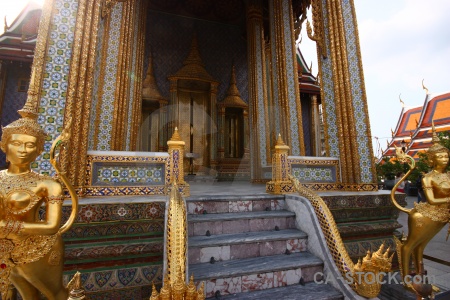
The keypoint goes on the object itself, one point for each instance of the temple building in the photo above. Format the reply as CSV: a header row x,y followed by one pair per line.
x,y
155,93
413,130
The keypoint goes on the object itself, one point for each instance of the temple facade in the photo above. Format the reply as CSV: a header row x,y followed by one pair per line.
x,y
228,76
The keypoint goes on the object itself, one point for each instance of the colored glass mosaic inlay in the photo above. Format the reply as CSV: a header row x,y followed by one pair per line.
x,y
314,174
117,174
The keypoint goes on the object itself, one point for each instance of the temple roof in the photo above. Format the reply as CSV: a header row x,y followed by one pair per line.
x,y
414,124
308,83
19,39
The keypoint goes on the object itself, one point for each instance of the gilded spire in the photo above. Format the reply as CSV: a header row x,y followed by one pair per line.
x,y
193,67
176,136
150,90
233,98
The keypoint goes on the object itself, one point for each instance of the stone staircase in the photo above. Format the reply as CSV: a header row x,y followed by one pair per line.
x,y
234,169
248,247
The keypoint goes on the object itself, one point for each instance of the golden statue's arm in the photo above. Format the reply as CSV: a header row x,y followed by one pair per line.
x,y
59,142
401,156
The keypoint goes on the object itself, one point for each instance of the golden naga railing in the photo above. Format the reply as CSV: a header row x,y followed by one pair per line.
x,y
366,272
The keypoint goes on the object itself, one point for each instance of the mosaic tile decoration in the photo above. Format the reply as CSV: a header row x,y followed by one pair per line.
x,y
133,75
54,86
109,80
328,91
314,174
314,170
359,105
291,72
13,100
126,173
134,174
95,87
262,142
119,278
274,74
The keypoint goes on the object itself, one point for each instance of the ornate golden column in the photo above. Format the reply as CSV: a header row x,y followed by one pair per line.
x,y
221,129
213,126
135,113
121,97
284,66
315,118
347,127
257,89
79,91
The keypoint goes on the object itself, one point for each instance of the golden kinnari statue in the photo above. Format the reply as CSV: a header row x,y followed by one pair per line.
x,y
426,219
31,248
174,285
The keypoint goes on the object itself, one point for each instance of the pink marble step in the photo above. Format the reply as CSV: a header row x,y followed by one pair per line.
x,y
252,274
245,245
233,204
240,222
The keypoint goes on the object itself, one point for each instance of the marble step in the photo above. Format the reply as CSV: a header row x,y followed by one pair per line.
x,y
309,291
240,222
234,203
258,273
245,245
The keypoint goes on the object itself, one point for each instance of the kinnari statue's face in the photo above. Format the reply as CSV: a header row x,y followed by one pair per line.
x,y
21,149
441,159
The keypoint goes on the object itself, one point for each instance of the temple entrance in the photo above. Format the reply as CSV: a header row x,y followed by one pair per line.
x,y
234,132
194,125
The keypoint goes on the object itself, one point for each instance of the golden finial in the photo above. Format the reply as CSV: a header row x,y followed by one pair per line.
x,y
76,292
201,291
310,68
424,87
191,291
176,136
280,141
435,139
401,101
6,25
154,295
165,293
392,132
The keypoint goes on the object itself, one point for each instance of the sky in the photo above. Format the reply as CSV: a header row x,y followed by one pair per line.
x,y
402,43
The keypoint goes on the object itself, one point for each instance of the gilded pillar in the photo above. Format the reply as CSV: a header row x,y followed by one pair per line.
x,y
257,89
284,68
213,125
80,86
347,127
315,118
136,77
221,129
175,166
122,84
246,134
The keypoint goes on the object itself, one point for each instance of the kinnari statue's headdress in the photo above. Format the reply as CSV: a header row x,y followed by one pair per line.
x,y
436,147
27,124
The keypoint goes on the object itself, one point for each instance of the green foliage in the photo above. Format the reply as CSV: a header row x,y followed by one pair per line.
x,y
387,169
